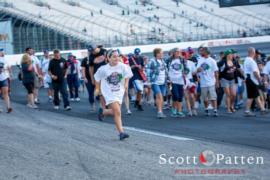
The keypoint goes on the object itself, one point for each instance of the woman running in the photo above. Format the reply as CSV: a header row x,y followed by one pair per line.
x,y
112,82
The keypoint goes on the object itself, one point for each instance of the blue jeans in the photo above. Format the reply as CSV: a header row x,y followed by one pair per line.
x,y
91,90
73,84
62,88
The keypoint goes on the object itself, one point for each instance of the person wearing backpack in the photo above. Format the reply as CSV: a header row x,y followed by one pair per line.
x,y
136,63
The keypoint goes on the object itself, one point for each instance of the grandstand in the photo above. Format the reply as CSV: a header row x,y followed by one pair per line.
x,y
73,24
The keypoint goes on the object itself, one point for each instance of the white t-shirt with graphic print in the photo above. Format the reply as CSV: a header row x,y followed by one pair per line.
x,y
207,76
162,73
112,80
3,69
176,72
191,69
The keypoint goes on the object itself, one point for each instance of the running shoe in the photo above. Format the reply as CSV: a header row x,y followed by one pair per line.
x,y
263,112
207,113
100,114
161,115
123,136
215,113
92,107
9,110
139,107
128,112
190,114
194,112
181,114
37,101
249,114
68,108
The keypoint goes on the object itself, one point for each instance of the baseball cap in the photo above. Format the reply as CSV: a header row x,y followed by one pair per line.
x,y
234,51
70,55
206,49
174,50
190,50
258,51
137,51
46,51
228,51
91,47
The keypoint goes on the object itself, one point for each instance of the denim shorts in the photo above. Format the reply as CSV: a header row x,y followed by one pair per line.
x,y
4,83
226,83
159,89
138,85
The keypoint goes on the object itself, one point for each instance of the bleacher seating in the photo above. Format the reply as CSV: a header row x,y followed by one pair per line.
x,y
128,22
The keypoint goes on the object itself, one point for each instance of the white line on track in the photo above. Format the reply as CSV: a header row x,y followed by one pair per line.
x,y
158,134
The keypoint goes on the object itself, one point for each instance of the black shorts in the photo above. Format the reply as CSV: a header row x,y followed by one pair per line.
x,y
252,89
29,87
177,92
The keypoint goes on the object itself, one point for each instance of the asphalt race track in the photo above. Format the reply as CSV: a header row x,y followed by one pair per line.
x,y
56,144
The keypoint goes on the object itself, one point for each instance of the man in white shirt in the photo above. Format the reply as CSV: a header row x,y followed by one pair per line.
x,y
208,72
47,80
36,65
253,80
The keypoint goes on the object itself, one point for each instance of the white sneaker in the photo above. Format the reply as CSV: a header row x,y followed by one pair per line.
x,y
77,99
210,107
56,107
32,106
68,108
72,99
29,105
129,112
194,112
197,104
92,107
37,101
